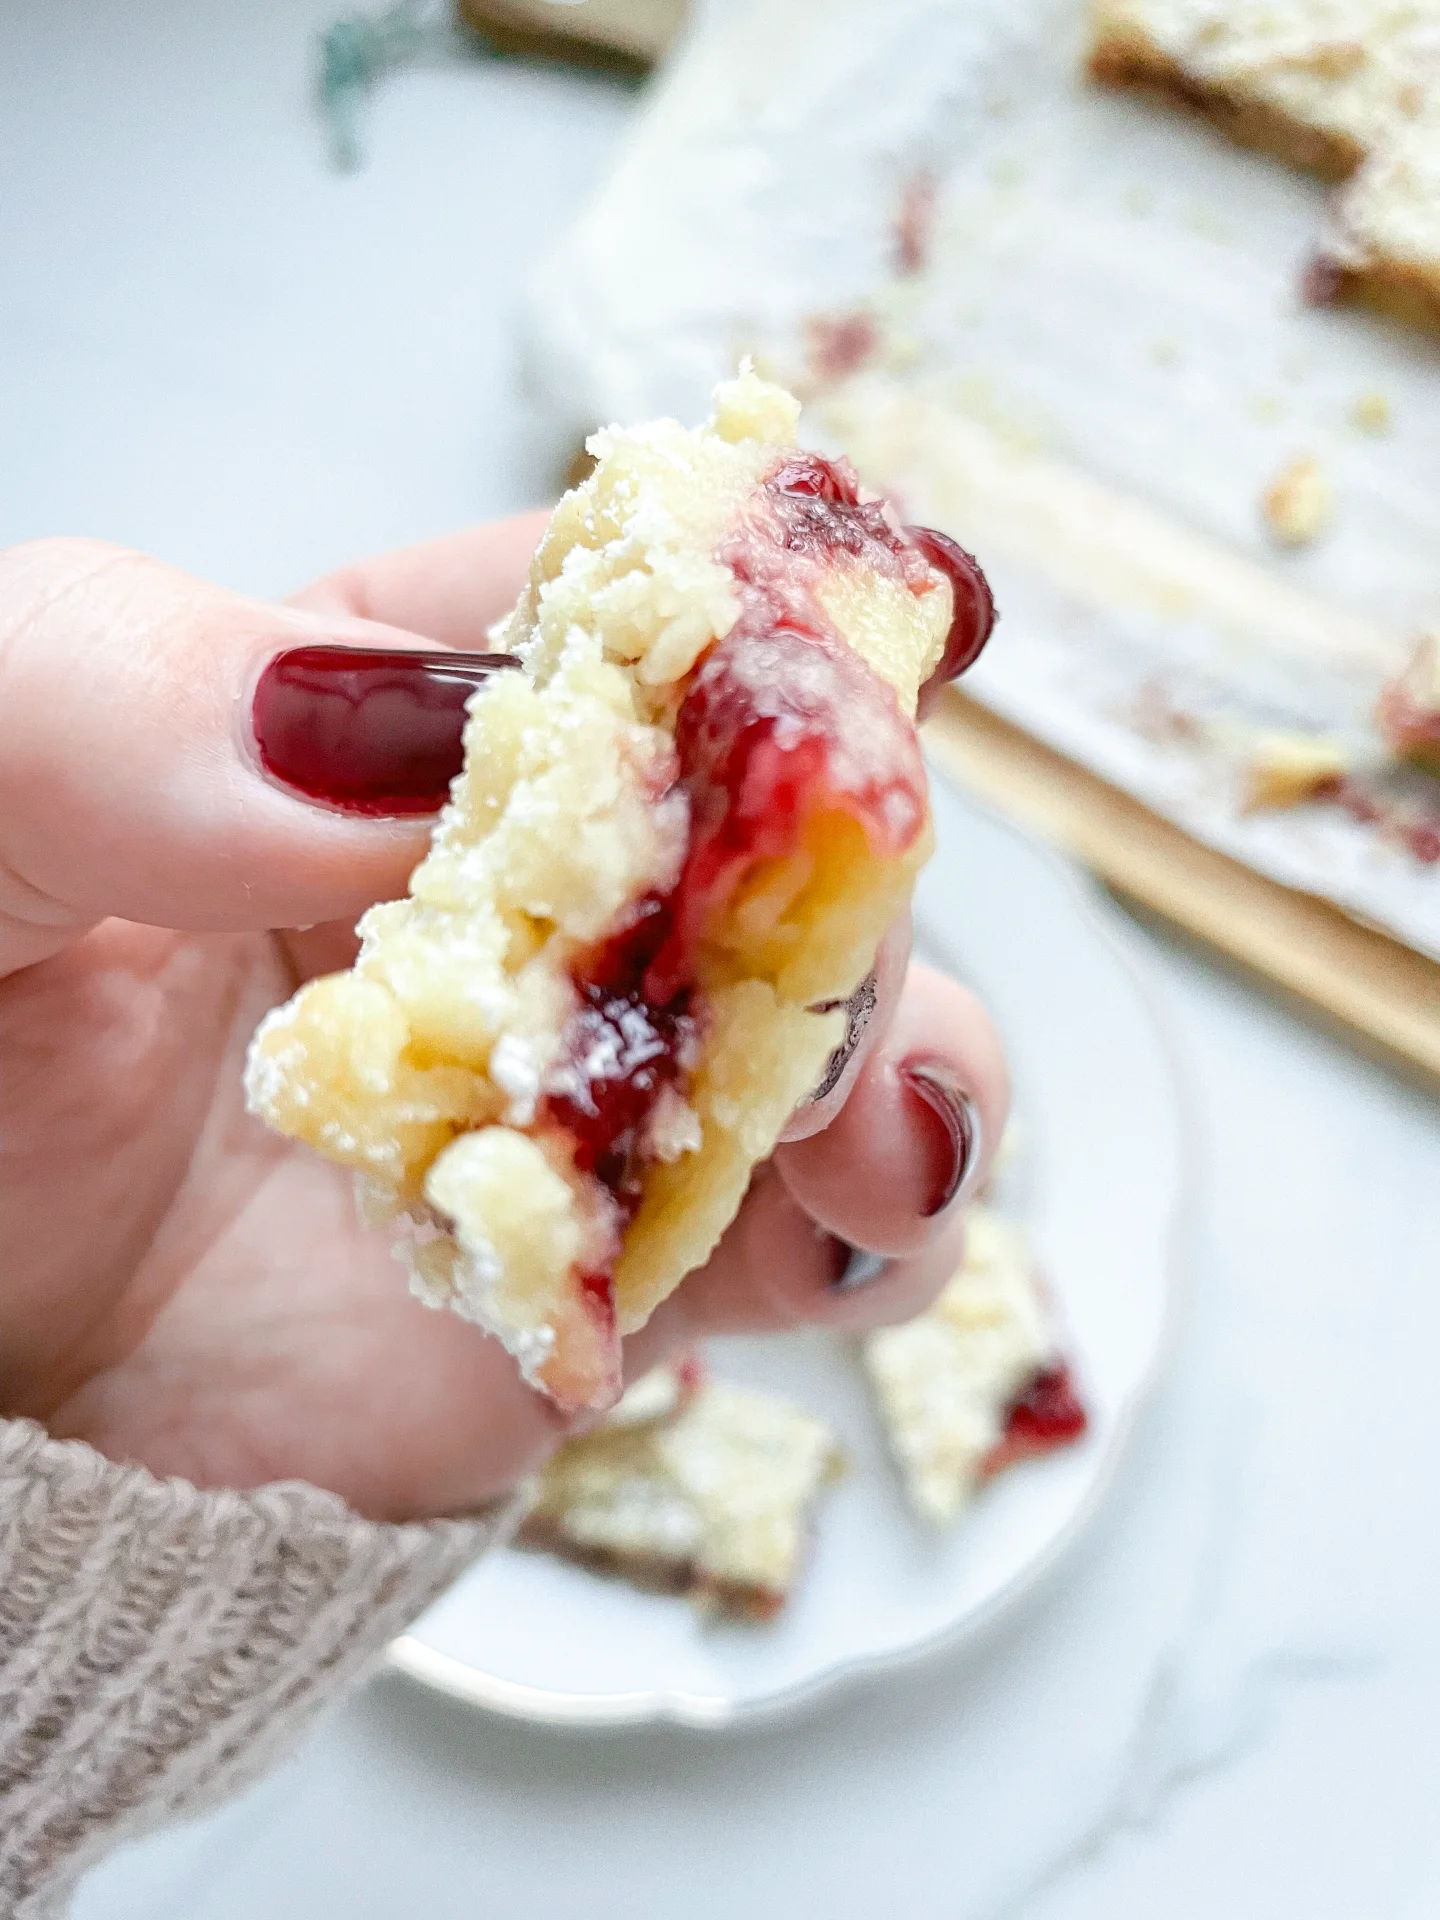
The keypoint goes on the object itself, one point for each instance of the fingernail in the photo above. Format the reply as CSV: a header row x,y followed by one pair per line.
x,y
858,1009
955,1130
973,619
858,1269
372,730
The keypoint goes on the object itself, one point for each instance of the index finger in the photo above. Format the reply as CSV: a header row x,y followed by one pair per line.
x,y
451,590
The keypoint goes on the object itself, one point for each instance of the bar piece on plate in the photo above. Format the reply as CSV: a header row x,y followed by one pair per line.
x,y
690,1486
976,1382
684,824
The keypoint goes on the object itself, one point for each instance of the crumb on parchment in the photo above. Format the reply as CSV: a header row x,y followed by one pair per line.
x,y
1286,769
1299,503
1372,412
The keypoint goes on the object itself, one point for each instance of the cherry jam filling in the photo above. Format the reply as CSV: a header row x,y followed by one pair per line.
x,y
1048,1413
619,1052
817,506
780,723
840,343
760,743
780,720
1370,806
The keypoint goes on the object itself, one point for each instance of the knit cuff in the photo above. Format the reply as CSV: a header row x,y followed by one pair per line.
x,y
160,1646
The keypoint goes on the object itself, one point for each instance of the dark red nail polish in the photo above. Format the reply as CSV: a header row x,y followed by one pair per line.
x,y
373,730
953,1133
973,620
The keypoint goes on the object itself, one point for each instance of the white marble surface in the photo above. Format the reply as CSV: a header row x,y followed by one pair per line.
x,y
1228,1699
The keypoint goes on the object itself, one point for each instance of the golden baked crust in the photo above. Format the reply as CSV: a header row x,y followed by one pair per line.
x,y
1321,83
1383,246
1287,769
1123,54
688,820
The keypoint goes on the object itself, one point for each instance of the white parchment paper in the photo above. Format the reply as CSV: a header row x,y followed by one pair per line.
x,y
1099,367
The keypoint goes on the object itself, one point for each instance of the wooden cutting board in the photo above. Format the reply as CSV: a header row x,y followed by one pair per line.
x,y
1383,995
636,32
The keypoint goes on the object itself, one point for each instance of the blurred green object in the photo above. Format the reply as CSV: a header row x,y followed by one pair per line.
x,y
360,49
623,37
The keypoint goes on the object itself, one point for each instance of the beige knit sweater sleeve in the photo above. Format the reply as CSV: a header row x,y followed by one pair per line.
x,y
159,1646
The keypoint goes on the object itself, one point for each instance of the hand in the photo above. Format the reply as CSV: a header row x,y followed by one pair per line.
x,y
182,1288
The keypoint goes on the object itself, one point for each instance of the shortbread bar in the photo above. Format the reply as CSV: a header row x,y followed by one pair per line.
x,y
1349,89
978,1381
682,826
691,1487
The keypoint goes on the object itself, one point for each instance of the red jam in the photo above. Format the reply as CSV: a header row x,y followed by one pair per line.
x,y
689,1374
781,722
779,725
1422,837
818,510
618,1053
598,1292
914,223
840,343
1417,832
1047,1414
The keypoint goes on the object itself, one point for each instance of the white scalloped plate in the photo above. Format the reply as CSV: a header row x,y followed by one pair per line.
x,y
1102,1180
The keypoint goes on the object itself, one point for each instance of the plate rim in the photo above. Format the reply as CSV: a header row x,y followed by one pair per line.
x,y
549,1707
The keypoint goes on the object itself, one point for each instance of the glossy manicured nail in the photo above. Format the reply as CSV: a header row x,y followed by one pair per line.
x,y
373,730
858,1270
955,1124
858,1011
973,619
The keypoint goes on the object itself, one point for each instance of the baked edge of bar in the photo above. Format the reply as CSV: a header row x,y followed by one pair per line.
x,y
1122,56
1401,290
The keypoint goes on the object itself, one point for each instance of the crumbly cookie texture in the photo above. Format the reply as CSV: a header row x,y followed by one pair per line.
x,y
1286,769
693,1487
977,1381
1299,503
1409,712
682,825
1349,89
1383,244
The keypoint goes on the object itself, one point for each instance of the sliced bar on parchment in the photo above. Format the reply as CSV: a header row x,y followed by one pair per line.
x,y
1348,89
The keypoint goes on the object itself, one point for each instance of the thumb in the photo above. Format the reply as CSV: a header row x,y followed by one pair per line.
x,y
175,754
